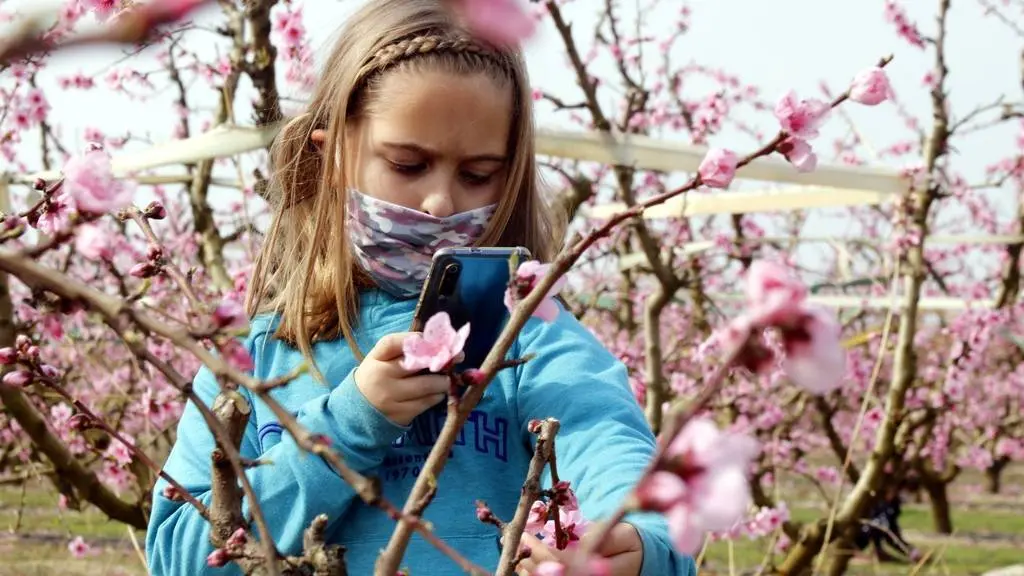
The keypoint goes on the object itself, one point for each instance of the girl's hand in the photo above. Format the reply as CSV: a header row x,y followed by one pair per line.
x,y
623,549
399,394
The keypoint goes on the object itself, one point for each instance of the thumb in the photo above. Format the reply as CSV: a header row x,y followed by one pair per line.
x,y
389,347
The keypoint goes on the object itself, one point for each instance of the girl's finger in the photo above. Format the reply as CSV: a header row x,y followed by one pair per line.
x,y
539,553
419,388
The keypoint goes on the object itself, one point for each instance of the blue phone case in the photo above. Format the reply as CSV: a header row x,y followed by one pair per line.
x,y
476,295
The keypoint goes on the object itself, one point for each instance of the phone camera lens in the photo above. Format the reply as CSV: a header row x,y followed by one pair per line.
x,y
450,279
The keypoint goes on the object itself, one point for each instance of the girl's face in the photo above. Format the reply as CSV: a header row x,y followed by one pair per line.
x,y
435,142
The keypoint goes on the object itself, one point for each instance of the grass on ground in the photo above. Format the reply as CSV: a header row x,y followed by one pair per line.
x,y
37,543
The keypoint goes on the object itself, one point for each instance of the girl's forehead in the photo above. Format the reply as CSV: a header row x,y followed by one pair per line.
x,y
443,112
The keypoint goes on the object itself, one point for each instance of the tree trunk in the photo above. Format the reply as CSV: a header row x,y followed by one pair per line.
x,y
994,476
842,553
939,497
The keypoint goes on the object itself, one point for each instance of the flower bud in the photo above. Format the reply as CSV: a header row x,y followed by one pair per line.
x,y
172,494
144,270
155,211
473,377
17,378
483,513
217,558
237,539
49,372
8,355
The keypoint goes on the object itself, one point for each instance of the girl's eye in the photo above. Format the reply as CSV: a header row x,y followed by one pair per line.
x,y
474,179
408,169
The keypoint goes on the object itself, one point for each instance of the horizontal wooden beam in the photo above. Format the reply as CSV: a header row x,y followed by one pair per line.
x,y
667,156
624,149
937,303
639,258
701,203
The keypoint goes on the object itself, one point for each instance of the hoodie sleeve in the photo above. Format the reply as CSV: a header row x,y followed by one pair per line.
x,y
292,489
604,442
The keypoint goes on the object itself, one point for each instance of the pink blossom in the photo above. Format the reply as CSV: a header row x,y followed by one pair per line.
x,y
103,9
156,13
117,477
827,474
538,517
549,568
774,295
528,275
237,356
802,118
436,347
815,359
904,27
800,154
870,87
718,168
661,491
703,486
78,547
596,566
56,214
573,526
229,314
496,21
289,26
119,453
88,179
93,242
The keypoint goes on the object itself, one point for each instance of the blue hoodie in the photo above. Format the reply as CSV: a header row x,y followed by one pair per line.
x,y
602,448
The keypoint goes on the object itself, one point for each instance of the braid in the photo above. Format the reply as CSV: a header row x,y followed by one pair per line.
x,y
429,44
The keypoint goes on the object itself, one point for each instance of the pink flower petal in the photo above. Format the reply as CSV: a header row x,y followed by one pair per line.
x,y
547,311
816,360
685,535
499,22
725,498
661,491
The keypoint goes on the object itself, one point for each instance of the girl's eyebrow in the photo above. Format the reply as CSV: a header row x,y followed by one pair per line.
x,y
417,149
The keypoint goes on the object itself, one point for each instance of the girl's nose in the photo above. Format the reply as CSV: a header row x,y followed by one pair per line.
x,y
439,202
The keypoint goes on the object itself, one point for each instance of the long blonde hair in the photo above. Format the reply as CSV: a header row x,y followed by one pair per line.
x,y
305,271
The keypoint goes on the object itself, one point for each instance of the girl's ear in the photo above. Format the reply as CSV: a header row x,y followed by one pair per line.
x,y
318,137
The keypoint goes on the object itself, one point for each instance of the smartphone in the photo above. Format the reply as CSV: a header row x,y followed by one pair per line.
x,y
469,284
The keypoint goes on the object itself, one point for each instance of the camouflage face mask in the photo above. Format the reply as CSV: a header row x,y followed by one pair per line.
x,y
395,244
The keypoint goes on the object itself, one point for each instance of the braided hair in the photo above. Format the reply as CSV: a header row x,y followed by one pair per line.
x,y
430,44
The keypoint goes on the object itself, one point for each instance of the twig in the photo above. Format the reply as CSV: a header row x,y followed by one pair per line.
x,y
132,26
96,421
543,453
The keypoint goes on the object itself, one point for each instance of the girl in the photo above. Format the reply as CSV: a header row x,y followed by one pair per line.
x,y
417,138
